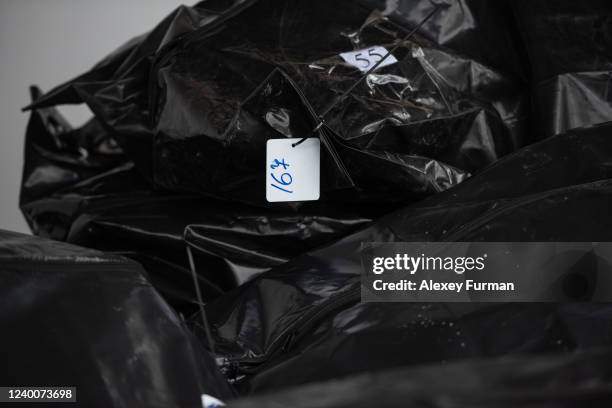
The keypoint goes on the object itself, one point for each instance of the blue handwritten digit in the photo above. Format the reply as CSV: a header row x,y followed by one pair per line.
x,y
277,163
282,189
283,181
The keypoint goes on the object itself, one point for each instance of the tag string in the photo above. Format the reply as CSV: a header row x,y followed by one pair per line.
x,y
211,342
350,89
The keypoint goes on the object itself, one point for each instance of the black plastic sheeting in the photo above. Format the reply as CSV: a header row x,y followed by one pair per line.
x,y
78,317
79,186
303,321
583,379
569,45
173,112
209,99
436,147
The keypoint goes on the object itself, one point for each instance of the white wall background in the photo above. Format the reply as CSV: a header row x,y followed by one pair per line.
x,y
46,42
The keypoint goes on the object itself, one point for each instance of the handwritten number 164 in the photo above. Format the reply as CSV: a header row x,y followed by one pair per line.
x,y
285,178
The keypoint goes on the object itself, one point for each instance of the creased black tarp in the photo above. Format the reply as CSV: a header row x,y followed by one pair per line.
x,y
79,186
78,317
210,98
569,44
488,57
302,321
394,137
181,119
583,379
190,105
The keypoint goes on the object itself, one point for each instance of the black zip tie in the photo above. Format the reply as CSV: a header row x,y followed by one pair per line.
x,y
211,342
368,72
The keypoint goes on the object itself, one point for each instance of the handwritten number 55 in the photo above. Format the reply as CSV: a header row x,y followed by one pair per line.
x,y
368,61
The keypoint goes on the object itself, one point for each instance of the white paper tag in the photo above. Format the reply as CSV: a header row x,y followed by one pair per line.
x,y
292,173
366,58
208,401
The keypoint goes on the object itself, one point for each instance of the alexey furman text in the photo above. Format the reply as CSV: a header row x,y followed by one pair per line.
x,y
430,285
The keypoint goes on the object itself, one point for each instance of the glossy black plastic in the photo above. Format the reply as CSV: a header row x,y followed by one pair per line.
x,y
569,45
582,379
302,321
436,147
196,113
78,317
79,186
